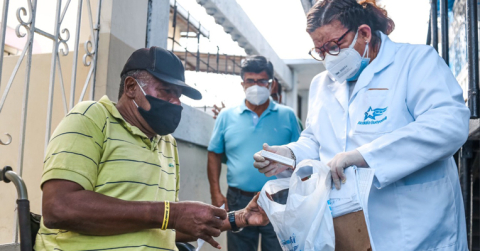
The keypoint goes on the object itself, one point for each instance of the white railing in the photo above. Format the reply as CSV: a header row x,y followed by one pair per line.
x,y
26,17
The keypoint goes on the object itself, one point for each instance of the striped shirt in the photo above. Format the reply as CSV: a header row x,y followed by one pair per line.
x,y
96,148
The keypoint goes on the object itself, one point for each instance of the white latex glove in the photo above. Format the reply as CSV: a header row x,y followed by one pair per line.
x,y
342,161
271,168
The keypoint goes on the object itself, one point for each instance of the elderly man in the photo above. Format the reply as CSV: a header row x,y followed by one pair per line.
x,y
240,132
111,173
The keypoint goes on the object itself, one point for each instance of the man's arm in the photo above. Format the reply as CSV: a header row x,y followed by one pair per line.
x,y
239,220
66,205
214,168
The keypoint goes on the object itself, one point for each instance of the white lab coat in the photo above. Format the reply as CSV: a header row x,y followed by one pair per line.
x,y
407,117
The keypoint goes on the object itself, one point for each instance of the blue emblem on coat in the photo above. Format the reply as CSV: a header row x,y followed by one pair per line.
x,y
373,114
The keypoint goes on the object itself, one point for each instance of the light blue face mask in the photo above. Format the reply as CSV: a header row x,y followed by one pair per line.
x,y
363,65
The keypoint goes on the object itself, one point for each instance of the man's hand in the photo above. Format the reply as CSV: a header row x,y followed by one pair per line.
x,y
342,161
253,214
271,168
197,219
218,200
216,110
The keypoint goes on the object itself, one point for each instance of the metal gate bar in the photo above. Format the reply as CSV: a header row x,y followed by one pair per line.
x,y
444,24
26,17
434,24
3,33
473,77
472,57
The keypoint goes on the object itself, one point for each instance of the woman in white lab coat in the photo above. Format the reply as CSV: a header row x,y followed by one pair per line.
x,y
395,108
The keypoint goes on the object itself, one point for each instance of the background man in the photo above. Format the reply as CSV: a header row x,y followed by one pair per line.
x,y
111,173
276,94
276,91
239,132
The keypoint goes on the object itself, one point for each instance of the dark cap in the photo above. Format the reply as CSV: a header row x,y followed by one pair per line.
x,y
163,65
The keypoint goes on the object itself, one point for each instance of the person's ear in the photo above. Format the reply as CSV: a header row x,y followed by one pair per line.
x,y
364,33
130,87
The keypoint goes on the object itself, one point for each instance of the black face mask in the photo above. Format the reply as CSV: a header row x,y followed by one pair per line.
x,y
163,117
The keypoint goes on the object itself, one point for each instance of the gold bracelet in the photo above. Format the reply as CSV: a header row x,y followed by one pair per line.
x,y
166,215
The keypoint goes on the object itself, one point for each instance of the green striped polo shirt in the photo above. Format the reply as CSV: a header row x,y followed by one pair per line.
x,y
96,148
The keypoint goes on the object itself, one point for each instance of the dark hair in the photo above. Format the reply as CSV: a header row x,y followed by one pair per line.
x,y
351,14
134,74
256,64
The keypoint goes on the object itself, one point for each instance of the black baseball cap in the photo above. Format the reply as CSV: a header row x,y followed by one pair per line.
x,y
163,65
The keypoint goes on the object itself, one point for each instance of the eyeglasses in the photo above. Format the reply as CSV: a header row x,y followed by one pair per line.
x,y
331,47
261,82
168,92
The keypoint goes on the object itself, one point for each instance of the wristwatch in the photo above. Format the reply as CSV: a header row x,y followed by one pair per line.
x,y
231,219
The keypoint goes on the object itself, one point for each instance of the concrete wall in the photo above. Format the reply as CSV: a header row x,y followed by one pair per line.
x,y
291,95
10,247
304,109
193,135
122,32
158,27
194,182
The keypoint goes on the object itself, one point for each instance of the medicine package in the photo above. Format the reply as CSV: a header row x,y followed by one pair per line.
x,y
278,158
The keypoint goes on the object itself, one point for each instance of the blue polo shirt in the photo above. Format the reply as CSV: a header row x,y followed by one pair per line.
x,y
240,133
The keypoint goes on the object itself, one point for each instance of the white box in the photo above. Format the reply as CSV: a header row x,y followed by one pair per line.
x,y
278,158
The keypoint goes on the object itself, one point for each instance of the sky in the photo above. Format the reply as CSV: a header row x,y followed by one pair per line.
x,y
282,23
45,20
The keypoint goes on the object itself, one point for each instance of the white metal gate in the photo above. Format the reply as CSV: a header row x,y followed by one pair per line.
x,y
26,27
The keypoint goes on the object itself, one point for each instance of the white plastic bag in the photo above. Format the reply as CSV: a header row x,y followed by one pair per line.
x,y
304,222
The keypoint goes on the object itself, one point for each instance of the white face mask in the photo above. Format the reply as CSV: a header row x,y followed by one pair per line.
x,y
347,64
257,95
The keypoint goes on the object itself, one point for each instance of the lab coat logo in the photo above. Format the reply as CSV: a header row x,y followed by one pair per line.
x,y
170,165
371,116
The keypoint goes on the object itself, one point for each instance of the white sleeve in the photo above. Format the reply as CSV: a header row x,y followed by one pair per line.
x,y
440,126
307,147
